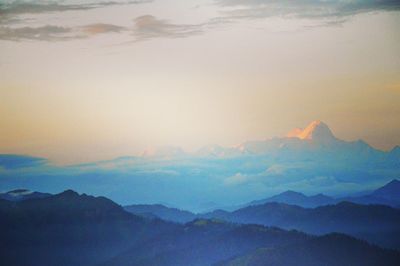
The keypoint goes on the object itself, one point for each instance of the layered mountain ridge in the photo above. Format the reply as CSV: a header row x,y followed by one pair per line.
x,y
77,229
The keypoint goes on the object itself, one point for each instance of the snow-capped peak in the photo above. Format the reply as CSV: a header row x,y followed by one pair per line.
x,y
316,130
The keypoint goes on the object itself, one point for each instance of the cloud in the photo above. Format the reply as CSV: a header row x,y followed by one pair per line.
x,y
47,33
10,11
160,172
56,33
12,161
327,184
148,27
100,28
237,179
18,7
27,7
312,9
274,176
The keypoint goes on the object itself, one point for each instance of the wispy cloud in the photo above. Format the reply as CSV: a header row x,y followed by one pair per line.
x,y
18,7
237,179
311,9
46,33
12,161
56,33
324,12
148,26
100,28
144,28
13,11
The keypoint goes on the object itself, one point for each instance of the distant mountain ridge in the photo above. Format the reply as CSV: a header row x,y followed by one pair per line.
x,y
315,135
288,197
162,212
388,194
390,191
296,198
316,214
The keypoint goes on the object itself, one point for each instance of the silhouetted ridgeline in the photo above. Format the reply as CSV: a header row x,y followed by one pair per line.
x,y
376,223
161,211
328,250
67,229
389,194
22,194
72,229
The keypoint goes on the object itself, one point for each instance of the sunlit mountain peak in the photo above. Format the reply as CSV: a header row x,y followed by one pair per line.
x,y
316,130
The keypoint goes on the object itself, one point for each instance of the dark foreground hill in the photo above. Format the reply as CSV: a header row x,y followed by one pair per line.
x,y
67,229
72,229
205,242
328,250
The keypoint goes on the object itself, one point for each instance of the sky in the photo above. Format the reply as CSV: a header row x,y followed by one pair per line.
x,y
91,80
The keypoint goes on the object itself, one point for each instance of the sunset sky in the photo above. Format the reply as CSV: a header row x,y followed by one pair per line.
x,y
93,80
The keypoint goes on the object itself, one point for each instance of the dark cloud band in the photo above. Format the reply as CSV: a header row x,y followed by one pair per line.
x,y
320,9
56,33
26,7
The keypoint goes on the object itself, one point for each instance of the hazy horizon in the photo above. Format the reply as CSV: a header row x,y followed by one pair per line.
x,y
150,150
84,81
310,160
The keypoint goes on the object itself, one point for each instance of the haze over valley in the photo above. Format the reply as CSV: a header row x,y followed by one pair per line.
x,y
311,161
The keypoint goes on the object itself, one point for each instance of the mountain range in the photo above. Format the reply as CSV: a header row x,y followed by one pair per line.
x,y
297,198
316,136
376,223
77,229
389,194
310,160
386,195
